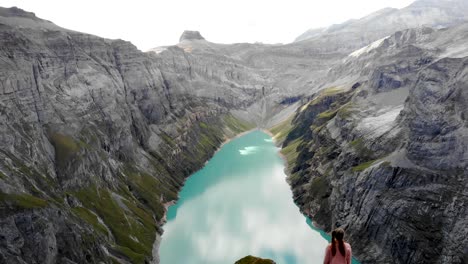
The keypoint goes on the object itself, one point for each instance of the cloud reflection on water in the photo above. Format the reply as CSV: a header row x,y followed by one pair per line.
x,y
248,150
250,212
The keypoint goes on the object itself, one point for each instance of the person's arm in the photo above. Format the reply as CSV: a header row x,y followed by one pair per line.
x,y
327,256
349,255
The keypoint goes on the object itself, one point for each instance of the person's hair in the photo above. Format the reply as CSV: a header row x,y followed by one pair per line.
x,y
337,238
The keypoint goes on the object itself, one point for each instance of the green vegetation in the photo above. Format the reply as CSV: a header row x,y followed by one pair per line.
x,y
331,91
114,260
149,190
316,129
281,130
254,260
206,142
324,93
363,166
142,214
23,200
346,111
236,125
203,125
386,164
90,218
167,139
327,115
356,143
65,148
318,187
130,254
88,134
361,148
132,229
364,153
290,152
2,175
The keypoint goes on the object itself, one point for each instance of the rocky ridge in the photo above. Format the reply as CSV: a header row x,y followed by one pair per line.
x,y
191,35
382,152
95,131
382,23
97,137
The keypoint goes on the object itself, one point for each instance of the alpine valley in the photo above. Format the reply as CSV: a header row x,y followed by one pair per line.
x,y
98,137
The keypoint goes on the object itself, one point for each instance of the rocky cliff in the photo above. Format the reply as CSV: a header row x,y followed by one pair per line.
x,y
384,22
97,137
384,154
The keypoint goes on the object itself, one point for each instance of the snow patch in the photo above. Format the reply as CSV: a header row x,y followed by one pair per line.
x,y
367,48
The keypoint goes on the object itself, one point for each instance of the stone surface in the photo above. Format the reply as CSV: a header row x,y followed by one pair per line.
x,y
94,131
384,22
190,35
385,156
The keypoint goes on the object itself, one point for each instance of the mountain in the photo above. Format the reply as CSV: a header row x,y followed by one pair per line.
x,y
431,13
95,131
382,151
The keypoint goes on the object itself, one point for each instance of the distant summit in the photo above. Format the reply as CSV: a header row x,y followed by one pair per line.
x,y
191,35
430,13
18,18
16,12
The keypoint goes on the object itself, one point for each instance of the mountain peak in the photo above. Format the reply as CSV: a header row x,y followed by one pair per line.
x,y
19,18
191,35
16,12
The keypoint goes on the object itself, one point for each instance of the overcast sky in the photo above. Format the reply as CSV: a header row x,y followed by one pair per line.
x,y
148,24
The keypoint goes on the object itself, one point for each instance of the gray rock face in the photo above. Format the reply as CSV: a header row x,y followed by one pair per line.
x,y
47,236
191,35
386,157
94,131
386,21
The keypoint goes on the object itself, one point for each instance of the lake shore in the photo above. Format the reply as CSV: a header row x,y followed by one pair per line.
x,y
173,202
254,189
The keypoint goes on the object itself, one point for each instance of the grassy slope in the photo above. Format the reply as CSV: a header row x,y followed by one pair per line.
x,y
254,260
127,213
133,220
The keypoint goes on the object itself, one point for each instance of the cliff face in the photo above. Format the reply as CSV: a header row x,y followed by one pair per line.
x,y
96,137
384,22
384,156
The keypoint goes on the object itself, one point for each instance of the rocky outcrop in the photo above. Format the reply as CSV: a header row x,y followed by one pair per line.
x,y
382,23
254,260
97,137
385,157
191,35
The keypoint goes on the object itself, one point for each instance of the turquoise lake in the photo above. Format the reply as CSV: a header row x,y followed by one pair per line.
x,y
240,204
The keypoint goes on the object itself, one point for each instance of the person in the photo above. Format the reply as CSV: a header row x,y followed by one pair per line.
x,y
338,252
